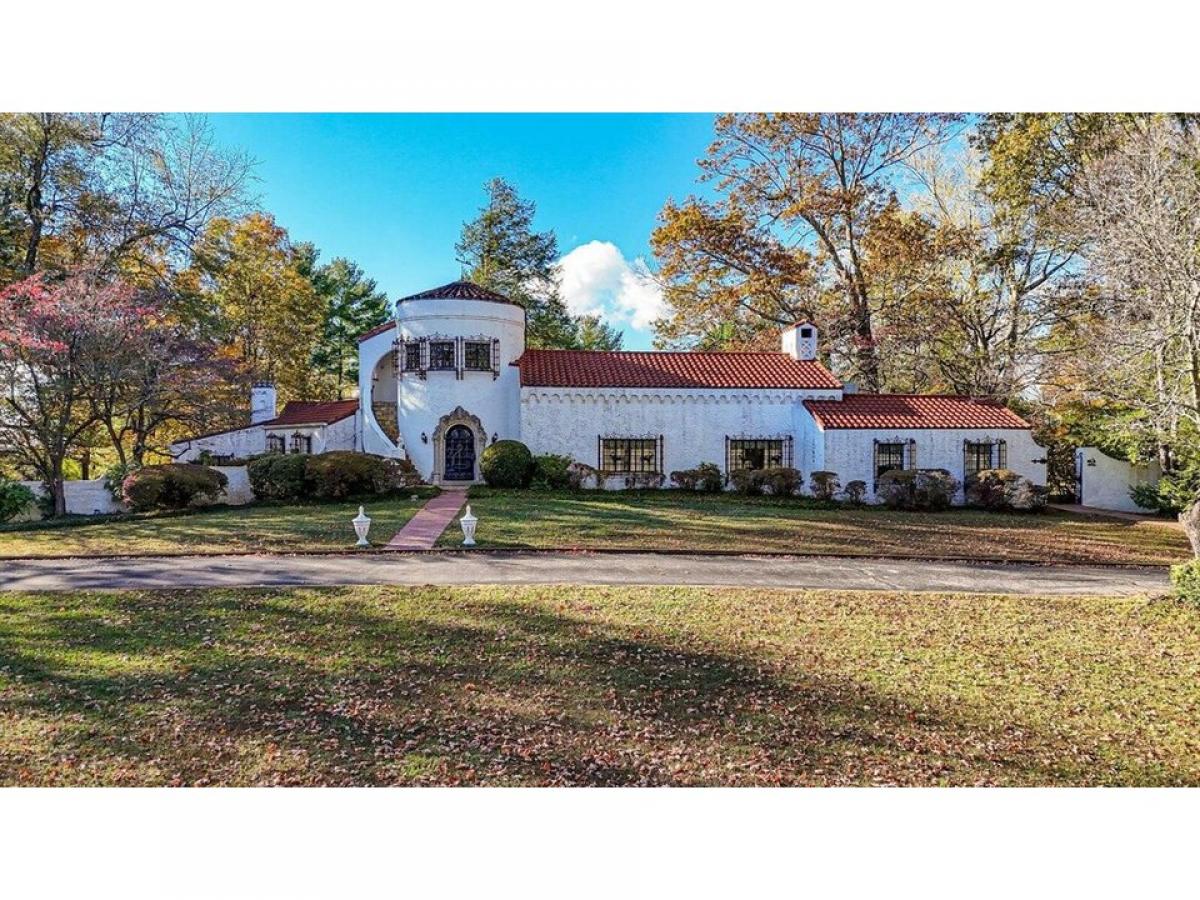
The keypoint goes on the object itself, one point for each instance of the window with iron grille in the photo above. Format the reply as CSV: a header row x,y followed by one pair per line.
x,y
980,455
276,443
631,455
412,356
301,443
478,356
441,355
888,456
757,453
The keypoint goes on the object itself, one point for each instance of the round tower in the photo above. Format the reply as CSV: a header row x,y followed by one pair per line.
x,y
456,388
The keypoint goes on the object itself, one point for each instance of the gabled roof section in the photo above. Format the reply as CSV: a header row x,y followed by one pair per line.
x,y
647,369
378,329
913,411
308,412
460,290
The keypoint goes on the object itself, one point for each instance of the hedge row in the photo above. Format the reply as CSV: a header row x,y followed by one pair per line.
x,y
326,476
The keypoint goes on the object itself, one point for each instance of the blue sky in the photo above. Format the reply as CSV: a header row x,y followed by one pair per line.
x,y
391,191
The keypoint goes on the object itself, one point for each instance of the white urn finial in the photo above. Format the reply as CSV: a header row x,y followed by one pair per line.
x,y
362,524
468,523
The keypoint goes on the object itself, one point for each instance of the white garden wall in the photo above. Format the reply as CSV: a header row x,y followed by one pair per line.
x,y
1105,481
92,498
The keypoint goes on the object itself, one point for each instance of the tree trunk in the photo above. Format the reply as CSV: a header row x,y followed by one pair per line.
x,y
58,488
85,463
1190,518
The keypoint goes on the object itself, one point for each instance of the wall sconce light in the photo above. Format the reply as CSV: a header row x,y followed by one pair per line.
x,y
424,438
494,437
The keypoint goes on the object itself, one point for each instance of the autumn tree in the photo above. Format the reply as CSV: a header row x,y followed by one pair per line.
x,y
353,305
261,305
117,191
1140,206
798,198
61,343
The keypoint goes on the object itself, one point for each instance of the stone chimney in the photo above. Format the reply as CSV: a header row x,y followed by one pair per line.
x,y
262,402
799,341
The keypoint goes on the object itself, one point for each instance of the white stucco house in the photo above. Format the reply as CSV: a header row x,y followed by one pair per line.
x,y
451,375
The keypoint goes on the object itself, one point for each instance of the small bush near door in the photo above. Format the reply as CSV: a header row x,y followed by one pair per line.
x,y
551,471
506,464
173,486
344,473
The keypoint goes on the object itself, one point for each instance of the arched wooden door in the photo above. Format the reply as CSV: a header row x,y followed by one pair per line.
x,y
460,454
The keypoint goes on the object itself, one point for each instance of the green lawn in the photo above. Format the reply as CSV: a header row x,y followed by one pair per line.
x,y
670,520
595,686
315,526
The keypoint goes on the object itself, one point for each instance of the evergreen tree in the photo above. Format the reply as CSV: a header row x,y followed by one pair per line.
x,y
500,250
353,304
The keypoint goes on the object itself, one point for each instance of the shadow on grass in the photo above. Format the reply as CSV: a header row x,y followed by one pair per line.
x,y
297,687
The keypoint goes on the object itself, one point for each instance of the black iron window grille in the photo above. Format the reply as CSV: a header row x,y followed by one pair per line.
x,y
412,356
757,453
441,355
630,455
981,455
301,443
889,455
478,356
276,443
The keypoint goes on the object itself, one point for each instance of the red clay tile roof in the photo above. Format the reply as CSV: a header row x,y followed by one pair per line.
x,y
913,411
630,369
307,412
378,329
460,290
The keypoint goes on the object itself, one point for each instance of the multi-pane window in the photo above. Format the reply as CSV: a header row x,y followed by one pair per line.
x,y
757,453
301,443
441,354
412,356
980,455
276,443
631,455
888,456
478,356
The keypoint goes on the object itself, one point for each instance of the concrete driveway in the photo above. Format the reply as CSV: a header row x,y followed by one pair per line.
x,y
498,567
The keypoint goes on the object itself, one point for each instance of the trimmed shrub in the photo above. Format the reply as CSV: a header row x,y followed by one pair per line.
x,y
1185,581
345,473
645,480
747,481
1004,489
782,481
580,474
173,486
824,485
917,489
506,464
277,476
855,492
114,478
705,477
552,471
15,498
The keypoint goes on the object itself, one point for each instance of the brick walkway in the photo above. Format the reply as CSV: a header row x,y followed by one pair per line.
x,y
423,529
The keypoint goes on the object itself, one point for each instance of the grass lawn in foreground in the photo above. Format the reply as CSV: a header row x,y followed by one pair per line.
x,y
595,686
672,520
313,526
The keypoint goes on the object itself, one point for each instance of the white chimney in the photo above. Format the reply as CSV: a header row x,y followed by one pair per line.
x,y
262,402
799,341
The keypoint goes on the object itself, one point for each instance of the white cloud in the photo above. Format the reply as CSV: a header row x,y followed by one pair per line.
x,y
598,280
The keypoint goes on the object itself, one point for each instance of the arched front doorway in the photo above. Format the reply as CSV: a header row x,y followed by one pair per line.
x,y
460,454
